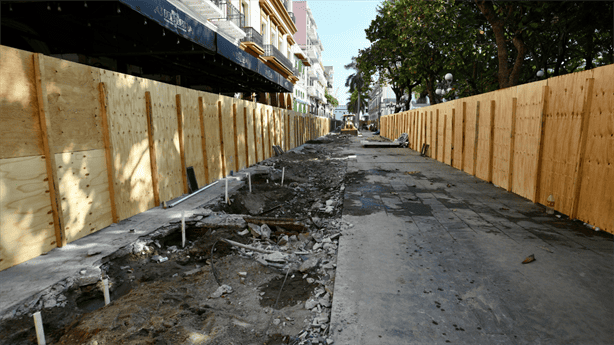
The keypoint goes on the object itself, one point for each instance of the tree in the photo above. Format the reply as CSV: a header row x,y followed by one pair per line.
x,y
332,100
353,101
355,82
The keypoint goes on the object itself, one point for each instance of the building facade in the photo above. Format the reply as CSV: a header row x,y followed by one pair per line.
x,y
308,40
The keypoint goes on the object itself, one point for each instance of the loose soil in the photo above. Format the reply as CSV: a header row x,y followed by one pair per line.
x,y
171,303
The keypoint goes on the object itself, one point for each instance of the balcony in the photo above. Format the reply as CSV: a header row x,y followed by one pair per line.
x,y
311,32
293,17
271,51
208,9
232,21
252,42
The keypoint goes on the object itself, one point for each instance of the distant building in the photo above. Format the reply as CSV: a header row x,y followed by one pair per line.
x,y
382,101
340,111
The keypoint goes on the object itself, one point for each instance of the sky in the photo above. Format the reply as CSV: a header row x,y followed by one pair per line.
x,y
341,26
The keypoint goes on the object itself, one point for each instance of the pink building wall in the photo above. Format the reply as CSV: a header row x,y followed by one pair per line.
x,y
300,12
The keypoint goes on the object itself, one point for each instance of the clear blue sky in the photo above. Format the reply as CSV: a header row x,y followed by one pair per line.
x,y
341,26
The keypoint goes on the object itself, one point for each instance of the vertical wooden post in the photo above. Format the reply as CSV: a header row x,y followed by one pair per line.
x,y
436,134
425,117
255,135
491,140
464,115
445,134
452,137
108,148
203,138
45,123
540,143
274,116
181,143
246,137
475,140
236,135
510,168
262,133
223,153
271,131
577,182
152,149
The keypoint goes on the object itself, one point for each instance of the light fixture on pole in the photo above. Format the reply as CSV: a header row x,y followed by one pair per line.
x,y
540,73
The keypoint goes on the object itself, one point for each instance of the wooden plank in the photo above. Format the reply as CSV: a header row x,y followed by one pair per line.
x,y
577,181
502,129
475,140
256,136
180,121
193,134
84,192
236,136
20,132
108,149
540,144
246,136
212,128
263,132
436,134
152,149
222,139
73,107
491,140
596,201
27,226
510,169
452,137
45,125
462,133
445,135
240,129
201,112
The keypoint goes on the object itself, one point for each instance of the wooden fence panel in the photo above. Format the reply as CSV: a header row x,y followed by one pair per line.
x,y
240,133
502,135
595,204
470,131
250,134
442,133
561,139
259,132
212,136
192,136
128,134
166,139
484,136
528,114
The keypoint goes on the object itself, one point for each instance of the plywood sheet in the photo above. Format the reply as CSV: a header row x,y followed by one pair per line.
x,y
166,139
26,229
561,139
502,138
266,126
470,122
129,137
456,108
212,135
250,135
596,201
228,132
84,192
259,132
73,105
240,130
191,133
483,154
441,138
528,113
20,132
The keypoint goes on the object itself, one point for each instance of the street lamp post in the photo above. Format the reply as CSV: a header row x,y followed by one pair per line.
x,y
445,87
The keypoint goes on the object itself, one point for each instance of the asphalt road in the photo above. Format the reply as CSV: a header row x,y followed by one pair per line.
x,y
435,256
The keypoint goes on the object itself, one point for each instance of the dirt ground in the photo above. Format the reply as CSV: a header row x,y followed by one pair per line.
x,y
275,289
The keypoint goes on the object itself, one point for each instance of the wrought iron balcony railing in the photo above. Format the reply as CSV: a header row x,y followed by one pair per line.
x,y
271,50
232,14
251,35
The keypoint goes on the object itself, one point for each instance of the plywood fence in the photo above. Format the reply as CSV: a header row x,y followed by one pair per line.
x,y
82,148
551,137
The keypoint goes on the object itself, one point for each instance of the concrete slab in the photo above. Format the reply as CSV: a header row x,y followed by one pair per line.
x,y
435,256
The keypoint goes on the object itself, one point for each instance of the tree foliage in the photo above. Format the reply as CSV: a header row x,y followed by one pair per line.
x,y
486,45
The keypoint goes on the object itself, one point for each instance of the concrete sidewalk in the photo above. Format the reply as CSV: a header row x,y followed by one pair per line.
x,y
435,257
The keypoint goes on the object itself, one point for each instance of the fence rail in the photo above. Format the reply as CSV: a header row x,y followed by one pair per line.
x,y
553,137
82,147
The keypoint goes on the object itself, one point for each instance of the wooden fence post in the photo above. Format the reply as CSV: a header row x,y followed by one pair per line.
x,y
45,124
255,134
201,115
436,134
464,115
491,140
540,143
181,143
220,125
108,148
577,182
510,172
452,137
152,149
475,140
445,134
246,137
236,136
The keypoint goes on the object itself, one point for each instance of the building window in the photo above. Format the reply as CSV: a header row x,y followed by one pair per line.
x,y
245,12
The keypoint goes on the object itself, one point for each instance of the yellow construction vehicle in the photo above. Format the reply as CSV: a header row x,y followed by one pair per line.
x,y
348,125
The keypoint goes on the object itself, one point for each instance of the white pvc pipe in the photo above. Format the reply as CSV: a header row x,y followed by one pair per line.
x,y
183,229
191,195
40,332
107,297
249,179
283,173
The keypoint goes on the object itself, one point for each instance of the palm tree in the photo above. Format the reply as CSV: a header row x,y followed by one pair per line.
x,y
355,81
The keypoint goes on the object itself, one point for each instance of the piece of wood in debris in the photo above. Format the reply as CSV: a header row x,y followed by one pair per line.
x,y
286,223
